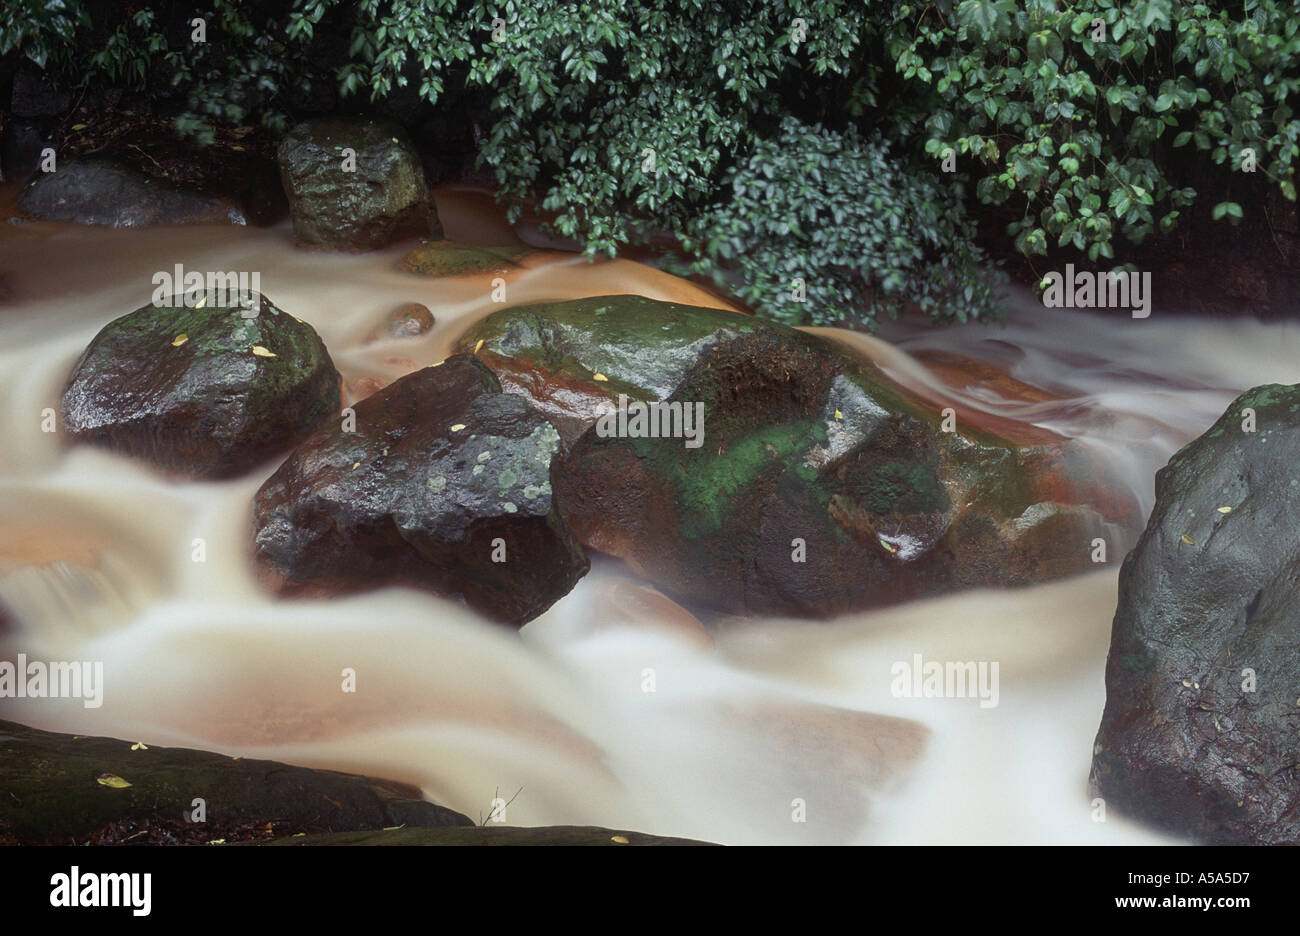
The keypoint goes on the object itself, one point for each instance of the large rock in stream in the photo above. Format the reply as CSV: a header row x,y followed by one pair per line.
x,y
1201,731
818,486
445,483
105,191
204,390
355,183
62,789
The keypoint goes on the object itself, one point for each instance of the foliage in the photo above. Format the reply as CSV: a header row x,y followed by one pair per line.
x,y
770,138
813,220
43,31
1074,111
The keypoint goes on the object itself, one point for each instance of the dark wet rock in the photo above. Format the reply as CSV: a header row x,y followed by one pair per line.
x,y
1210,592
447,258
802,442
442,472
406,321
53,795
207,392
490,835
96,190
20,149
385,199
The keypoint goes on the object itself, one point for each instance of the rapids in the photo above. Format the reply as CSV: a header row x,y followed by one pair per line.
x,y
97,563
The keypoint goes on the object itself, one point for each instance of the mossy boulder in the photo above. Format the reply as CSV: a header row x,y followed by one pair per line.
x,y
62,789
572,359
380,199
444,483
447,258
101,190
818,487
207,390
1202,719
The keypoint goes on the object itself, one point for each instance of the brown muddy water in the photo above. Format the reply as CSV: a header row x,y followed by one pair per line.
x,y
97,563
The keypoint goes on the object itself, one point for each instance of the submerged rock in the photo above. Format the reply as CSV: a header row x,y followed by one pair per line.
x,y
95,190
445,483
1202,719
384,199
406,321
207,391
447,258
71,790
814,485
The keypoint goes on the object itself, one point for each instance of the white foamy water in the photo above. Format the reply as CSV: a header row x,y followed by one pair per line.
x,y
96,562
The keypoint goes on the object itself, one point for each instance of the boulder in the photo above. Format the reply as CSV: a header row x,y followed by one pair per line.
x,y
447,258
384,199
63,789
406,321
817,487
102,190
208,391
445,483
1202,721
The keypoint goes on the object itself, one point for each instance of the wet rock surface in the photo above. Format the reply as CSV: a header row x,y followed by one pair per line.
x,y
446,483
102,190
491,835
447,258
818,486
1202,722
384,199
408,320
206,391
62,789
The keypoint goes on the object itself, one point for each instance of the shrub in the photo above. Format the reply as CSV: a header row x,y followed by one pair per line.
x,y
772,138
828,228
1074,112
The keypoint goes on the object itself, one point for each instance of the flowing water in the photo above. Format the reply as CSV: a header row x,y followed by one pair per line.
x,y
747,721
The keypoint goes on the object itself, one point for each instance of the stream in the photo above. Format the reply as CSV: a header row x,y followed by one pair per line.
x,y
747,725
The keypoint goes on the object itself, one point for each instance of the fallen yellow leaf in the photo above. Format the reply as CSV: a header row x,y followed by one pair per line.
x,y
262,352
621,840
839,415
458,427
1225,510
139,746
599,377
1188,540
180,340
479,345
112,780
